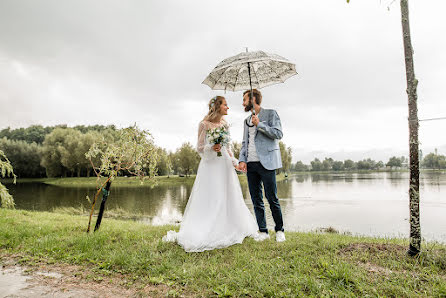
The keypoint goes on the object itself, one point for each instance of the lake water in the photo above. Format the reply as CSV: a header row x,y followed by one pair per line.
x,y
374,204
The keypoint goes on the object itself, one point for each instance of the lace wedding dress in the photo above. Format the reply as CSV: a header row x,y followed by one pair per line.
x,y
216,215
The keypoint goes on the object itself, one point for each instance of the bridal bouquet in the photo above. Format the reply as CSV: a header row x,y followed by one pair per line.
x,y
219,135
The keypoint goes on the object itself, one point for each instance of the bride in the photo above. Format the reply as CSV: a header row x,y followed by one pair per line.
x,y
216,215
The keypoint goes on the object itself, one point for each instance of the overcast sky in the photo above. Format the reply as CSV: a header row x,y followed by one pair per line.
x,y
120,62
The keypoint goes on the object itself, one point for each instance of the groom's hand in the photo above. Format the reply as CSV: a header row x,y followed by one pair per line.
x,y
242,166
255,120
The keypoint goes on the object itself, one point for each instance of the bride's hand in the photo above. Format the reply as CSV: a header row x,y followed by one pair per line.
x,y
216,147
242,167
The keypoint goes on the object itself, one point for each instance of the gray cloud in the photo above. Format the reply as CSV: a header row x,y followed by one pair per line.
x,y
113,62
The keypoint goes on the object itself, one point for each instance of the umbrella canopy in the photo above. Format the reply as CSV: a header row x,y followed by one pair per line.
x,y
250,70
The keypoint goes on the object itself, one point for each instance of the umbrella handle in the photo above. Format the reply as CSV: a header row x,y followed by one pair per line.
x,y
250,85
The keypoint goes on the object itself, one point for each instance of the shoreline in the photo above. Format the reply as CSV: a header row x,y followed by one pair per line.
x,y
176,179
123,181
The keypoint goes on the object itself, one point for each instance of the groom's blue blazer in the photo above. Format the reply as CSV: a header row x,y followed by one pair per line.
x,y
268,134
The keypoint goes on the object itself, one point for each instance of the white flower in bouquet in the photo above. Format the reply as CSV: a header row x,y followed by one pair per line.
x,y
218,136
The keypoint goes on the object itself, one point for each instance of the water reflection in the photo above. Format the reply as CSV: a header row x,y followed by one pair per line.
x,y
361,203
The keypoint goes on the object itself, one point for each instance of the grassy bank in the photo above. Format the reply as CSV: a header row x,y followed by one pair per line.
x,y
119,181
306,264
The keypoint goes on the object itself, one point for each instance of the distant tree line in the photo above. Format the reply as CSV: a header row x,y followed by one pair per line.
x,y
434,161
59,151
329,164
54,151
37,133
430,161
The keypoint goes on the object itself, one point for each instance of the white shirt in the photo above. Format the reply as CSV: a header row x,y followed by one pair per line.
x,y
252,151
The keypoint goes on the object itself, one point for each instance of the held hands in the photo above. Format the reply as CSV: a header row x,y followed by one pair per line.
x,y
241,167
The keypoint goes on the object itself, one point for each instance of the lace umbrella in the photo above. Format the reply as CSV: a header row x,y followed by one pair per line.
x,y
250,70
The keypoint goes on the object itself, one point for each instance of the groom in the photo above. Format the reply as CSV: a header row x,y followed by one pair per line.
x,y
259,158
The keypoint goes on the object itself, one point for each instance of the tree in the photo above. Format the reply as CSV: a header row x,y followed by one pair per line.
x,y
187,158
34,133
134,152
94,128
379,165
163,164
300,166
37,133
53,146
64,150
169,165
6,170
430,161
441,162
327,164
366,164
395,162
286,155
316,165
175,164
236,147
70,152
24,157
434,161
338,165
412,98
349,164
414,180
362,165
86,141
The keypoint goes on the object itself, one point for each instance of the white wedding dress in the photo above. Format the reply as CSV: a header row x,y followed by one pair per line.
x,y
216,215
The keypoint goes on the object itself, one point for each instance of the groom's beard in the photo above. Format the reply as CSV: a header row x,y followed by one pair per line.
x,y
249,107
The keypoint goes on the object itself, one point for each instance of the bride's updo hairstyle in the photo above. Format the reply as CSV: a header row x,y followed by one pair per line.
x,y
214,108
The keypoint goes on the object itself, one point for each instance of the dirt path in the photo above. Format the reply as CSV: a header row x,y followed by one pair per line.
x,y
63,282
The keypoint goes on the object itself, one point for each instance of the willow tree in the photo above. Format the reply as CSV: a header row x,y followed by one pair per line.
x,y
6,170
132,153
414,163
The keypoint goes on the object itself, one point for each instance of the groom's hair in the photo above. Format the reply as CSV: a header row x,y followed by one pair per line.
x,y
257,95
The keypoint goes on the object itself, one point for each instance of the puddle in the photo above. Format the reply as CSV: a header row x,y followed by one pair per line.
x,y
12,281
64,282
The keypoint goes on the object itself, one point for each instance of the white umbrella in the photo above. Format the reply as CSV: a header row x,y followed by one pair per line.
x,y
250,70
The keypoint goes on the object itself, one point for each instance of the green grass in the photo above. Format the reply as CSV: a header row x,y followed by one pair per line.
x,y
307,264
119,181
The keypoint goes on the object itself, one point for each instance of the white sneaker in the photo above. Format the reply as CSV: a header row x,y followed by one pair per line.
x,y
280,236
261,236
